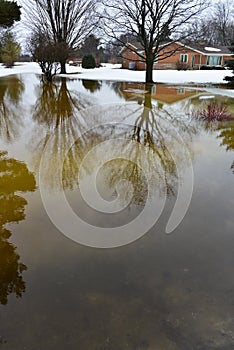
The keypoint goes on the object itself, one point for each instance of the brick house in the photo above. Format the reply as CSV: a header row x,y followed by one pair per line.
x,y
160,92
192,56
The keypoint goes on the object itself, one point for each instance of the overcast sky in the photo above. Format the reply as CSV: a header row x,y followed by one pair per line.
x,y
22,32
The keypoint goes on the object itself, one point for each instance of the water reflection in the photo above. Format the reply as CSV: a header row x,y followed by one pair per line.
x,y
145,125
14,178
91,85
56,104
163,94
216,117
58,111
11,89
226,134
152,129
167,292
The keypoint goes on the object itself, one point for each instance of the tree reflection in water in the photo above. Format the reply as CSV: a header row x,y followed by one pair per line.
x,y
59,112
11,89
217,117
91,85
156,130
226,133
14,178
152,129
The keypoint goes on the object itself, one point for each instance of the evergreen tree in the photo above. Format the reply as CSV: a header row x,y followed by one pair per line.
x,y
9,13
230,65
88,61
89,46
10,49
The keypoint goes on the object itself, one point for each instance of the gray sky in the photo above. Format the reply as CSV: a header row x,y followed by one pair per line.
x,y
22,32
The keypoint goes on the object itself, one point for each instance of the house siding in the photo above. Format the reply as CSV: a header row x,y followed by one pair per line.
x,y
131,57
194,59
173,60
160,92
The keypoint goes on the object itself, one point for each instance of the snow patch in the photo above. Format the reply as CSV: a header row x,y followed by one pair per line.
x,y
112,72
206,97
136,91
212,49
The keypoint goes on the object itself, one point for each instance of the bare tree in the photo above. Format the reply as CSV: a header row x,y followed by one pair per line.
x,y
46,53
224,22
217,28
64,22
152,22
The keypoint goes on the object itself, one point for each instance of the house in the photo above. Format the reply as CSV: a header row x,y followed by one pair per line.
x,y
161,93
75,62
192,56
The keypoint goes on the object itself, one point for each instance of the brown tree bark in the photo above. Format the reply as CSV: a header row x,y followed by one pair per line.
x,y
63,67
149,70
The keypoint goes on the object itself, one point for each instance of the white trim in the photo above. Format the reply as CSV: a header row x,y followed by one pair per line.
x,y
126,47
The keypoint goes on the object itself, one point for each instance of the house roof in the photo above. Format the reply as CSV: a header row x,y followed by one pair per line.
x,y
206,49
203,49
136,46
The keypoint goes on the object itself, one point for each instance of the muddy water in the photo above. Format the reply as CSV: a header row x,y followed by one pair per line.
x,y
161,292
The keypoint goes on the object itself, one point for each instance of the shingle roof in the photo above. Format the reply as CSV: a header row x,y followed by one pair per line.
x,y
209,49
205,49
136,46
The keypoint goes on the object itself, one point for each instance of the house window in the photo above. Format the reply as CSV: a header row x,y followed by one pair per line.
x,y
181,91
214,60
153,91
132,65
156,58
184,58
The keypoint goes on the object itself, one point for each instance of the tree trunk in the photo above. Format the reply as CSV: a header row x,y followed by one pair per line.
x,y
149,70
148,96
63,67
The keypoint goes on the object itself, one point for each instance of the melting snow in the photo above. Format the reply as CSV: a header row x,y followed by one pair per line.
x,y
212,49
114,73
206,97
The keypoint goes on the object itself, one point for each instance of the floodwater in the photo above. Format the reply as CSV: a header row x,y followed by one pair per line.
x,y
59,289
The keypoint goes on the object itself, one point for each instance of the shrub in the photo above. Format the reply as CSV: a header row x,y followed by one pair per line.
x,y
212,68
182,66
213,112
46,53
88,62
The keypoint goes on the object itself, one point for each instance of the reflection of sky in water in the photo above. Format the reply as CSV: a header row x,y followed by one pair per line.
x,y
162,292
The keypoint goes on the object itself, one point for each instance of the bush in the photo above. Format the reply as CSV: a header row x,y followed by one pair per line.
x,y
88,62
46,53
213,112
211,68
182,66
